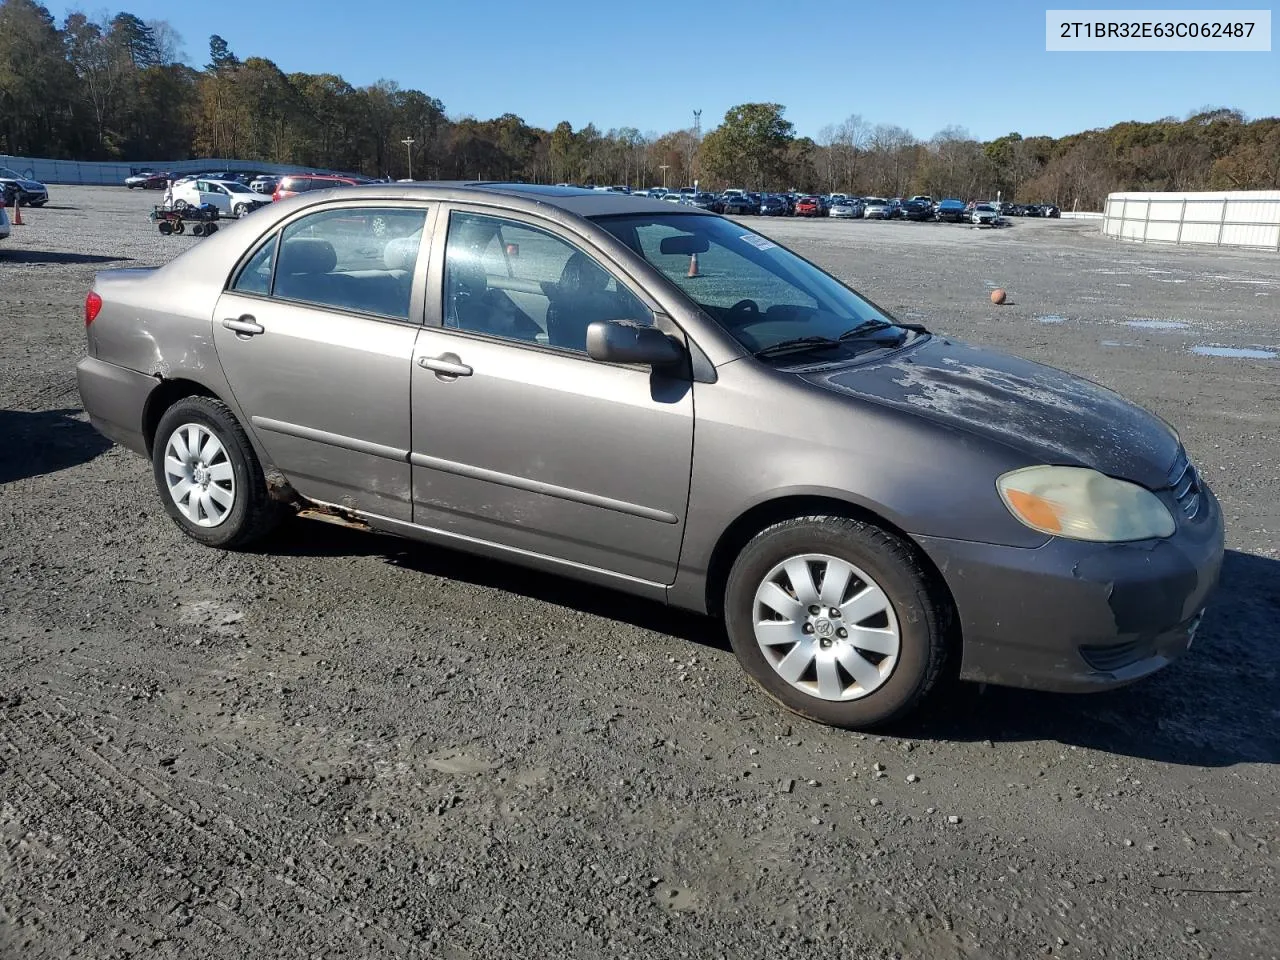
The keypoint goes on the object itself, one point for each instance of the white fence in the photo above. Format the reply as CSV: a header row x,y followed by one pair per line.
x,y
113,174
1238,218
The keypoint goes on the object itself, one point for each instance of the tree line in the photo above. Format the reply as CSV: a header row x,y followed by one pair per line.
x,y
116,88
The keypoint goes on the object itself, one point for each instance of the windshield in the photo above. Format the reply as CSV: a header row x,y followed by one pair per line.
x,y
11,174
761,293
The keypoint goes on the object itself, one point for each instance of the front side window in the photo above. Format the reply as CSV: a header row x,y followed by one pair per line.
x,y
511,280
357,259
765,296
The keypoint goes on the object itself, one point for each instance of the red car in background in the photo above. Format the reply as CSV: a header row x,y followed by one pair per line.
x,y
302,182
810,207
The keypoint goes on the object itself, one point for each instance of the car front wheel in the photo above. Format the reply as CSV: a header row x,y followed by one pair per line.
x,y
208,475
836,619
241,210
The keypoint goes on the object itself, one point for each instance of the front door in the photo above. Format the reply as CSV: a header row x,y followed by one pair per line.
x,y
519,438
315,338
214,194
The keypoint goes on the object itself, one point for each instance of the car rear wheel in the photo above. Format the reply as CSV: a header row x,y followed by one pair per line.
x,y
836,619
208,475
180,205
241,210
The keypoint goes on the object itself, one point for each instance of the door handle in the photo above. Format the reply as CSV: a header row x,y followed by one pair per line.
x,y
447,365
244,326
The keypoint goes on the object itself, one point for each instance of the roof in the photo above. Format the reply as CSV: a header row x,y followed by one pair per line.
x,y
575,200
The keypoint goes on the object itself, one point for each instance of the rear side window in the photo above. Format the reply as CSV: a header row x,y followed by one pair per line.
x,y
255,276
358,259
294,184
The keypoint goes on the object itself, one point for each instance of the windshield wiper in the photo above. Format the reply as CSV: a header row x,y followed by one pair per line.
x,y
797,344
866,327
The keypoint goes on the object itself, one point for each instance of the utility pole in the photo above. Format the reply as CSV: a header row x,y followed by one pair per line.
x,y
663,167
697,138
408,146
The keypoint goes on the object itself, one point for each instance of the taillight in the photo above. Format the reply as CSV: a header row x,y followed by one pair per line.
x,y
92,306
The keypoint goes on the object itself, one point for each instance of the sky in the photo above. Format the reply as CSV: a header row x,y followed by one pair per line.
x,y
977,64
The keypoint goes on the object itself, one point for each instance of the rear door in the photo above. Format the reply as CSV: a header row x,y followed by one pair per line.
x,y
315,334
519,439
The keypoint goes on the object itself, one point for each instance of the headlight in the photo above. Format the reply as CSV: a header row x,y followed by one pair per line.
x,y
1083,504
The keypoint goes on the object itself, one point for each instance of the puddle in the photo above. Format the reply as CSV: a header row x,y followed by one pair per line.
x,y
1156,324
1052,318
1239,353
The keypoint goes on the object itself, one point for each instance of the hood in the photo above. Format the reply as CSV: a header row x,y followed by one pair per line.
x,y
1051,416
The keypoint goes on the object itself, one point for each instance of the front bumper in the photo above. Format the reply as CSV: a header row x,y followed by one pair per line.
x,y
115,399
1072,616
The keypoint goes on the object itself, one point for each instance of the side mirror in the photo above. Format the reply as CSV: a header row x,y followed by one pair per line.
x,y
624,341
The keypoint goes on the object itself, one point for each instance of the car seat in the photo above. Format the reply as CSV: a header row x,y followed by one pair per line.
x,y
580,298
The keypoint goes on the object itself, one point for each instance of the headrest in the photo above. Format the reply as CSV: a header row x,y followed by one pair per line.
x,y
582,274
402,252
306,255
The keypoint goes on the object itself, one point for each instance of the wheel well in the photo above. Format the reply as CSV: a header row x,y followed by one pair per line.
x,y
165,396
764,515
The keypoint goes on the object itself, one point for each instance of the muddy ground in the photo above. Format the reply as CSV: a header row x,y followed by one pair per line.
x,y
346,745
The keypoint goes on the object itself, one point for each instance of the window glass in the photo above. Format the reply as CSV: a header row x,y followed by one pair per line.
x,y
511,280
355,258
762,294
255,276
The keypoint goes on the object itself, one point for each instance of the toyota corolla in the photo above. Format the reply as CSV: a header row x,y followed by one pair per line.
x,y
660,400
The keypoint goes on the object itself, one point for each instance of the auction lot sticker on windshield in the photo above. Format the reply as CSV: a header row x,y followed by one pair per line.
x,y
759,242
1158,30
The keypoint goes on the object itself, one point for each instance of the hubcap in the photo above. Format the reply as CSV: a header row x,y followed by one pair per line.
x,y
199,476
826,627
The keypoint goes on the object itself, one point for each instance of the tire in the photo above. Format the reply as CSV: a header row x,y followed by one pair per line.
x,y
197,229
165,227
179,227
250,514
210,229
241,210
899,681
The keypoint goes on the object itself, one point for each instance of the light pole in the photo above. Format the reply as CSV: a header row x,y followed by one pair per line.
x,y
663,168
408,148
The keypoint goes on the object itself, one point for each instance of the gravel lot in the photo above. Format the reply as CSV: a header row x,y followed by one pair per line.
x,y
346,745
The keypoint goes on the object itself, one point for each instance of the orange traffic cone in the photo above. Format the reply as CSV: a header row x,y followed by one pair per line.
x,y
17,212
693,264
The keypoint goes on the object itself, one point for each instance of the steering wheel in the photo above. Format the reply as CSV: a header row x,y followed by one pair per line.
x,y
742,313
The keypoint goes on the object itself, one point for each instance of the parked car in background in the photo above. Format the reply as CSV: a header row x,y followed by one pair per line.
x,y
147,180
673,198
707,201
869,508
739,203
304,182
229,197
846,209
31,193
1050,210
877,208
810,207
917,210
773,206
984,213
951,211
265,183
1031,210
923,198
